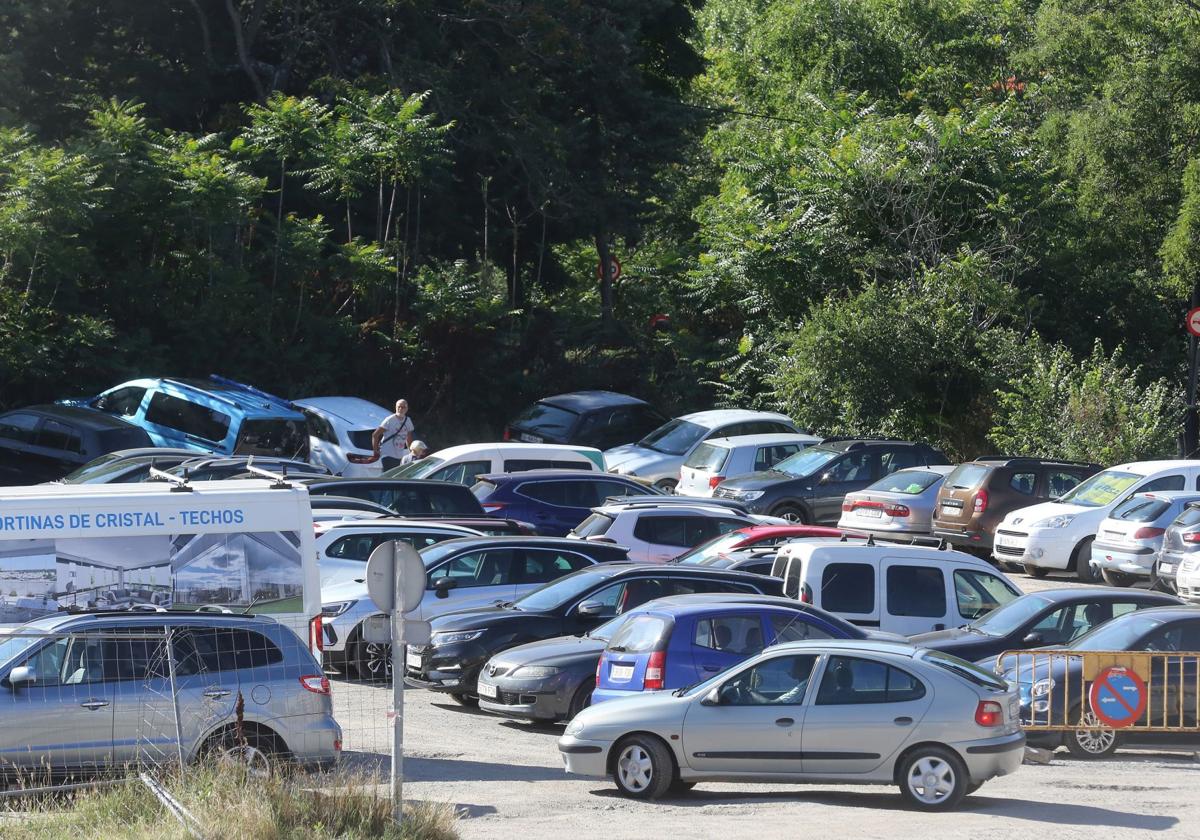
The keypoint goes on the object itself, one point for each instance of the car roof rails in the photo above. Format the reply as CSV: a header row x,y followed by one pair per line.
x,y
1031,459
250,389
668,501
866,439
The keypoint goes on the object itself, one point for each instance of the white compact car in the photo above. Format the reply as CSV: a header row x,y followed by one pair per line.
x,y
898,588
339,427
659,456
343,546
1128,541
461,464
717,459
655,532
1059,534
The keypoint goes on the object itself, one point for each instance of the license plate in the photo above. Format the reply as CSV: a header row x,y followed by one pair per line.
x,y
951,510
528,438
1166,568
413,660
621,673
486,690
873,513
1011,542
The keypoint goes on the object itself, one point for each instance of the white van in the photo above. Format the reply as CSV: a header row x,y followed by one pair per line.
x,y
244,545
1059,534
461,464
906,589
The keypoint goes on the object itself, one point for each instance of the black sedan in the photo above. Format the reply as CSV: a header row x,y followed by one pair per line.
x,y
1054,689
1041,619
463,641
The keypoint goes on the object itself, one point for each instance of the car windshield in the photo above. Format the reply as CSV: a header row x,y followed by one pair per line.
x,y
1008,617
1101,489
416,469
1120,634
14,646
547,419
640,634
708,550
596,525
966,476
100,468
1140,509
674,437
967,670
274,436
561,591
806,461
605,631
707,457
906,482
439,551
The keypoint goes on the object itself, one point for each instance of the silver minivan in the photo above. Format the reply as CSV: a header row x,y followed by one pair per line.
x,y
86,693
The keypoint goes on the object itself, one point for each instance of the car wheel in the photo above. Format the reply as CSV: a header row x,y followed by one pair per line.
x,y
1084,570
373,661
581,699
933,779
791,513
643,767
465,700
1036,571
666,485
1116,578
1090,743
255,754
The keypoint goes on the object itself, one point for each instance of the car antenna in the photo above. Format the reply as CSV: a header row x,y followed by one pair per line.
x,y
180,481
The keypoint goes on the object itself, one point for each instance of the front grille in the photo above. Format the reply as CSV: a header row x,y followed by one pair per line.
x,y
1020,534
1010,551
493,670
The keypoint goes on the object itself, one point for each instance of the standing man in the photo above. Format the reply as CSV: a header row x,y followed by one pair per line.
x,y
394,436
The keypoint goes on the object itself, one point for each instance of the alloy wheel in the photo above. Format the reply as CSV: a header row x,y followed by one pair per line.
x,y
931,780
378,660
635,768
255,762
1096,742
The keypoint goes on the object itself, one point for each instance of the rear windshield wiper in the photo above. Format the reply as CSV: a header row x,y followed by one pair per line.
x,y
618,649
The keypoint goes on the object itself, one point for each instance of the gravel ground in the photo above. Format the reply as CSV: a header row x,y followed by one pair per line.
x,y
507,780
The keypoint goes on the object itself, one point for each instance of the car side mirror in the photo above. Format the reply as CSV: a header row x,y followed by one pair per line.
x,y
1034,639
443,585
590,608
825,478
19,676
713,698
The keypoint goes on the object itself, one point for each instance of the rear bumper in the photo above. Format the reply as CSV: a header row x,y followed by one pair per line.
x,y
1131,560
993,757
965,537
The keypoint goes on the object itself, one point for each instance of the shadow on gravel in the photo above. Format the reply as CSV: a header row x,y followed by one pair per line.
x,y
377,767
1054,813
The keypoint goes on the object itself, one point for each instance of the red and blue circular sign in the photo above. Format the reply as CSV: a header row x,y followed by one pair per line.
x,y
1118,697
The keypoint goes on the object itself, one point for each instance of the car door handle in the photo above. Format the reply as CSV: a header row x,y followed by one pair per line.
x,y
216,693
711,668
784,722
939,627
94,704
902,721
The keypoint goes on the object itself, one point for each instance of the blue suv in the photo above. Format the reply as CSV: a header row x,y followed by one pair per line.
x,y
667,645
209,415
553,501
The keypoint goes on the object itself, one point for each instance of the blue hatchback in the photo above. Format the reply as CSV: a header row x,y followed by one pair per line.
x,y
554,501
666,645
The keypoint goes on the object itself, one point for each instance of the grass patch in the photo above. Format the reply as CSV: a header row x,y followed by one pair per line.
x,y
228,806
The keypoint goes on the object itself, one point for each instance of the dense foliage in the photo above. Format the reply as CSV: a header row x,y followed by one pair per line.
x,y
975,222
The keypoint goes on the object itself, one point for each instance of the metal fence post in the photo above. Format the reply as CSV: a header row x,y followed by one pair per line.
x,y
174,695
398,665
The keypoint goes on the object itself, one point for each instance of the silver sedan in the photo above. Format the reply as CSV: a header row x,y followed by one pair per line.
x,y
901,503
856,712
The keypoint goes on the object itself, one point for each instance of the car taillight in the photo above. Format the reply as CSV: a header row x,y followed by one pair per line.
x,y
1190,536
896,510
980,501
655,666
989,713
316,683
599,665
806,594
714,480
316,636
492,507
847,507
1148,533
507,433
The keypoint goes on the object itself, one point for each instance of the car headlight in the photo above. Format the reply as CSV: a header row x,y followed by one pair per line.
x,y
336,608
1041,688
455,637
749,495
574,727
533,672
1060,521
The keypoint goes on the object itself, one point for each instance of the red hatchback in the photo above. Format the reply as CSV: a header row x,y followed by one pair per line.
x,y
754,536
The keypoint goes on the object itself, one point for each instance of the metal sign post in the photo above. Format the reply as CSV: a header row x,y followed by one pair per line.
x,y
398,704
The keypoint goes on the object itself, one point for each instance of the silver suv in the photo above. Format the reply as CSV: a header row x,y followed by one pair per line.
x,y
93,692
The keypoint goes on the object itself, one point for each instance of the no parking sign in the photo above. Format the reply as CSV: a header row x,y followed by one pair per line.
x,y
1118,697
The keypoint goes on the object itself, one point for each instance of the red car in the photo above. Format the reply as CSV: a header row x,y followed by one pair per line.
x,y
755,536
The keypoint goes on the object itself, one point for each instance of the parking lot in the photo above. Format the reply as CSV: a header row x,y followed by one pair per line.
x,y
506,779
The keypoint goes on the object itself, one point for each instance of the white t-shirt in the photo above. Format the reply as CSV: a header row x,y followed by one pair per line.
x,y
398,430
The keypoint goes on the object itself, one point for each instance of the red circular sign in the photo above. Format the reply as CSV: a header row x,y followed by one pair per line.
x,y
1193,321
1118,697
614,270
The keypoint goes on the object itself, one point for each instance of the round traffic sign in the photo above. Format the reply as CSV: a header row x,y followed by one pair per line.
x,y
614,269
1118,697
1193,321
381,576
